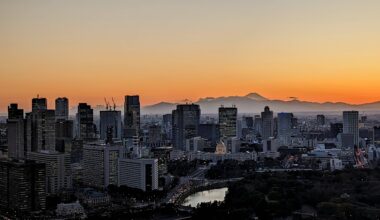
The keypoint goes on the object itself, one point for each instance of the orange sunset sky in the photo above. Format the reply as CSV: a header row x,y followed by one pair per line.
x,y
170,50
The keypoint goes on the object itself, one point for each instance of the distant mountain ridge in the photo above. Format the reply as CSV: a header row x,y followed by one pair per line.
x,y
254,103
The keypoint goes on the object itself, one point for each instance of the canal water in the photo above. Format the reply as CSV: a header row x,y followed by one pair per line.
x,y
206,196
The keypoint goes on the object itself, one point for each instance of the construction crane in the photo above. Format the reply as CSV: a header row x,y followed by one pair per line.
x,y
114,104
107,104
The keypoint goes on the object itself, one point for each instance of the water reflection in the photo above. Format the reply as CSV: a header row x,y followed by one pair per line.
x,y
206,196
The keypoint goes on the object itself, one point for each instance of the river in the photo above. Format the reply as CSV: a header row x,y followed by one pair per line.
x,y
206,196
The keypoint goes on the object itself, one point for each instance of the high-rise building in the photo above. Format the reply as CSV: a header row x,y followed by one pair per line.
x,y
22,186
58,169
185,123
132,116
14,112
110,119
139,173
351,124
335,129
167,126
39,104
267,123
376,134
100,164
154,136
284,126
209,132
62,109
228,121
258,124
40,130
16,132
64,134
86,128
321,120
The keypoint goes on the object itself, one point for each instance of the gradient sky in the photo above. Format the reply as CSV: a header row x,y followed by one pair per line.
x,y
169,50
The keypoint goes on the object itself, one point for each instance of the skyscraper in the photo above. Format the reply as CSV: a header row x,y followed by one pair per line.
x,y
86,128
351,125
16,131
58,169
39,104
321,120
131,116
62,109
267,123
110,119
139,173
376,134
40,130
22,186
100,164
227,121
284,125
185,124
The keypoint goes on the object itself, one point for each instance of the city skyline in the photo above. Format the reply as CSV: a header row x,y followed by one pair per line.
x,y
317,51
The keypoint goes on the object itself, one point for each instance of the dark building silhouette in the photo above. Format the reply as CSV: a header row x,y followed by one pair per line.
x,y
39,104
267,127
321,120
376,134
64,134
132,116
16,132
62,108
209,132
22,186
227,121
40,130
86,128
335,129
185,122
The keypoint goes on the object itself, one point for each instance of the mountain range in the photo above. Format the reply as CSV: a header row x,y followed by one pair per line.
x,y
255,103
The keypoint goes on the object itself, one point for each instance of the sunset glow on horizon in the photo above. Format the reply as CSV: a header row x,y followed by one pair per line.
x,y
174,50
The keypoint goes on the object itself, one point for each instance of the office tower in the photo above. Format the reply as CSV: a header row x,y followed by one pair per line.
x,y
351,125
139,173
86,128
14,112
39,104
16,131
227,121
209,132
247,122
154,136
167,126
58,169
110,119
62,109
321,120
64,134
185,123
335,129
131,116
267,123
40,130
284,126
258,124
76,151
232,144
100,164
195,144
22,186
376,134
